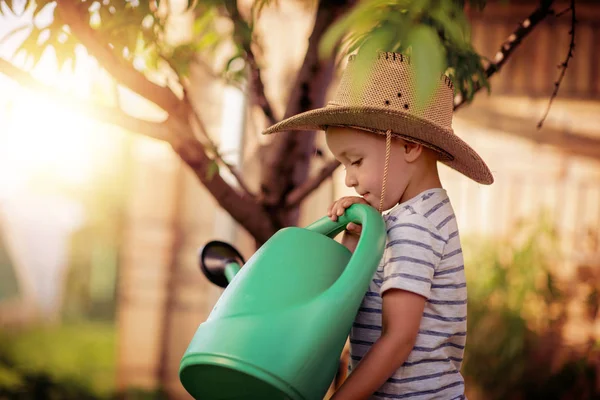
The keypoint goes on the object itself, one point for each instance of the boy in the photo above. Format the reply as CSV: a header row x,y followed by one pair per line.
x,y
408,337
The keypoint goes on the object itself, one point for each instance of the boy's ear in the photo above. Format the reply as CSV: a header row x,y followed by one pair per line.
x,y
412,151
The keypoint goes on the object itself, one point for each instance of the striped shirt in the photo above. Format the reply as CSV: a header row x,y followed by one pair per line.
x,y
423,255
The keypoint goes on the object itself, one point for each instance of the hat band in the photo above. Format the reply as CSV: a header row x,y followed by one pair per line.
x,y
445,156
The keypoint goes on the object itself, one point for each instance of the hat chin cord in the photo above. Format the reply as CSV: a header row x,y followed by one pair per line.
x,y
388,147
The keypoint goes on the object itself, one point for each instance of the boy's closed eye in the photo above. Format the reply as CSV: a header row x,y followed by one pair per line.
x,y
356,162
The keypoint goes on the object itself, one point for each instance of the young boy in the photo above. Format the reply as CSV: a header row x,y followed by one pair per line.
x,y
409,335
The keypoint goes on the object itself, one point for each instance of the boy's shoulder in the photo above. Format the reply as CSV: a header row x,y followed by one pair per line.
x,y
430,209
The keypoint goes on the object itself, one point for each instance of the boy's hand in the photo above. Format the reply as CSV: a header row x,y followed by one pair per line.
x,y
352,232
338,207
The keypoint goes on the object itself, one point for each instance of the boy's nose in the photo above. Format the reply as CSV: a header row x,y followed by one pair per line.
x,y
350,180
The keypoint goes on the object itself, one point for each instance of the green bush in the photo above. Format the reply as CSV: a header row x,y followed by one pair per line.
x,y
516,313
69,362
76,357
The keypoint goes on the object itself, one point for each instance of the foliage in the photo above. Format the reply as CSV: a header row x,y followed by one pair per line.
x,y
84,353
436,33
135,31
72,362
515,347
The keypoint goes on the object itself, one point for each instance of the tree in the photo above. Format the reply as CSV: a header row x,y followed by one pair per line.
x,y
115,32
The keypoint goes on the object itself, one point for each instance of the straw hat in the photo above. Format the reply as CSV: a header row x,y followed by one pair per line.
x,y
388,102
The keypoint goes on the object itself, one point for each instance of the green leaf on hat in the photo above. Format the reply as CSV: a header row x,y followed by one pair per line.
x,y
381,39
366,21
429,59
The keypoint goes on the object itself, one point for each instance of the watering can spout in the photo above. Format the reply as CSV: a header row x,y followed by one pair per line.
x,y
220,262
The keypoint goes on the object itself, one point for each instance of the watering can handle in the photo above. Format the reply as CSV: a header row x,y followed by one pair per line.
x,y
357,213
368,252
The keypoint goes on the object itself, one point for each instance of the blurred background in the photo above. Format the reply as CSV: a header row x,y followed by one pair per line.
x,y
130,137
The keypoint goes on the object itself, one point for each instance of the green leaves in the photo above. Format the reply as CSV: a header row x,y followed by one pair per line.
x,y
213,168
436,33
132,29
123,24
514,303
429,58
365,22
119,24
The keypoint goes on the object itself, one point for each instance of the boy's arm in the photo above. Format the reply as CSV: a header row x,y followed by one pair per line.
x,y
401,318
351,236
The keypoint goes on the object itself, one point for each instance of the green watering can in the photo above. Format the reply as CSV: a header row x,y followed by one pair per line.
x,y
278,329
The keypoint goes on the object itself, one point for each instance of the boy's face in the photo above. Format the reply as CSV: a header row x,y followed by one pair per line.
x,y
363,156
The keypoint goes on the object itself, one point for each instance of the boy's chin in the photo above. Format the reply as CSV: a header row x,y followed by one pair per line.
x,y
372,200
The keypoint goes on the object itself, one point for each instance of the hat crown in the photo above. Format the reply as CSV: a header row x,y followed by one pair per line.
x,y
390,84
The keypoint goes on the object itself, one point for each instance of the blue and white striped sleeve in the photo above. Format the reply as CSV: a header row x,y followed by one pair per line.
x,y
413,251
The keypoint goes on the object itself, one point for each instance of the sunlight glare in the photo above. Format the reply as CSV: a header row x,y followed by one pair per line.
x,y
49,139
42,138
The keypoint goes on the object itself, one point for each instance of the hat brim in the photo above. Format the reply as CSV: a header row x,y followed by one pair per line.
x,y
463,158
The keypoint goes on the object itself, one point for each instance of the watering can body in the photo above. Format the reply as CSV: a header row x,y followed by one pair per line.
x,y
279,327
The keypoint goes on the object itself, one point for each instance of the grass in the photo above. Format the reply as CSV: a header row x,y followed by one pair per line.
x,y
84,353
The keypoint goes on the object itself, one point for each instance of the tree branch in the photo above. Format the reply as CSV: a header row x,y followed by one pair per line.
x,y
511,44
208,144
242,207
297,195
112,115
563,66
242,34
213,147
246,211
74,16
561,13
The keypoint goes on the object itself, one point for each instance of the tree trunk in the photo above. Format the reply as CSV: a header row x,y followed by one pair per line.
x,y
286,160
